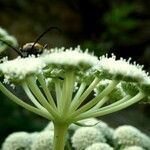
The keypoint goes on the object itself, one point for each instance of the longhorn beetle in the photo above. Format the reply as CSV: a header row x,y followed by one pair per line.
x,y
32,48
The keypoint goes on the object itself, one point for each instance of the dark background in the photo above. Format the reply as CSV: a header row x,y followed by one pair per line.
x,y
119,26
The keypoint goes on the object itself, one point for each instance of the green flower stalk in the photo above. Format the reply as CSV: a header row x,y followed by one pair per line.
x,y
59,84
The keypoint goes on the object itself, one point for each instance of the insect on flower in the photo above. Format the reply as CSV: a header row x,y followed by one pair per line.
x,y
32,48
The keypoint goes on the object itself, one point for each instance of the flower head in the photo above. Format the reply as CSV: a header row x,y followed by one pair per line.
x,y
129,136
120,69
101,126
43,141
69,58
19,68
85,136
99,146
16,141
133,148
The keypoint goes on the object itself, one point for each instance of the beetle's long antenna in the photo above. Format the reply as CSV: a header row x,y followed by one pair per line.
x,y
18,52
49,29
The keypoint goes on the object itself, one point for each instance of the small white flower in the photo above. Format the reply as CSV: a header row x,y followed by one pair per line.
x,y
85,136
133,148
120,69
19,68
33,136
43,141
99,146
98,124
70,58
16,141
129,136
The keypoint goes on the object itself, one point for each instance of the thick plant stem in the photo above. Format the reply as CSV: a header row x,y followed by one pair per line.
x,y
60,131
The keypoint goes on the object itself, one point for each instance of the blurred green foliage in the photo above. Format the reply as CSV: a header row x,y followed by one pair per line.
x,y
119,23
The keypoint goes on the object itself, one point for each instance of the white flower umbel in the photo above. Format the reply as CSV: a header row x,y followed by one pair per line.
x,y
16,141
43,141
129,136
120,69
70,58
133,148
99,146
106,131
85,136
19,68
60,84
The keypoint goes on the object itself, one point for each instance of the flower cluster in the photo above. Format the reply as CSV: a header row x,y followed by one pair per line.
x,y
18,140
85,136
59,83
128,136
99,146
43,140
133,148
93,137
18,72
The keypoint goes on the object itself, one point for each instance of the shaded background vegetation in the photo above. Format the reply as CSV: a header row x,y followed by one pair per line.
x,y
119,26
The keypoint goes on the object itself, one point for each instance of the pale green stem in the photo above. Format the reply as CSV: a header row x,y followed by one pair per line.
x,y
78,102
37,92
111,105
60,131
115,108
100,103
124,99
68,91
23,104
79,92
58,94
46,90
63,96
95,100
31,97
